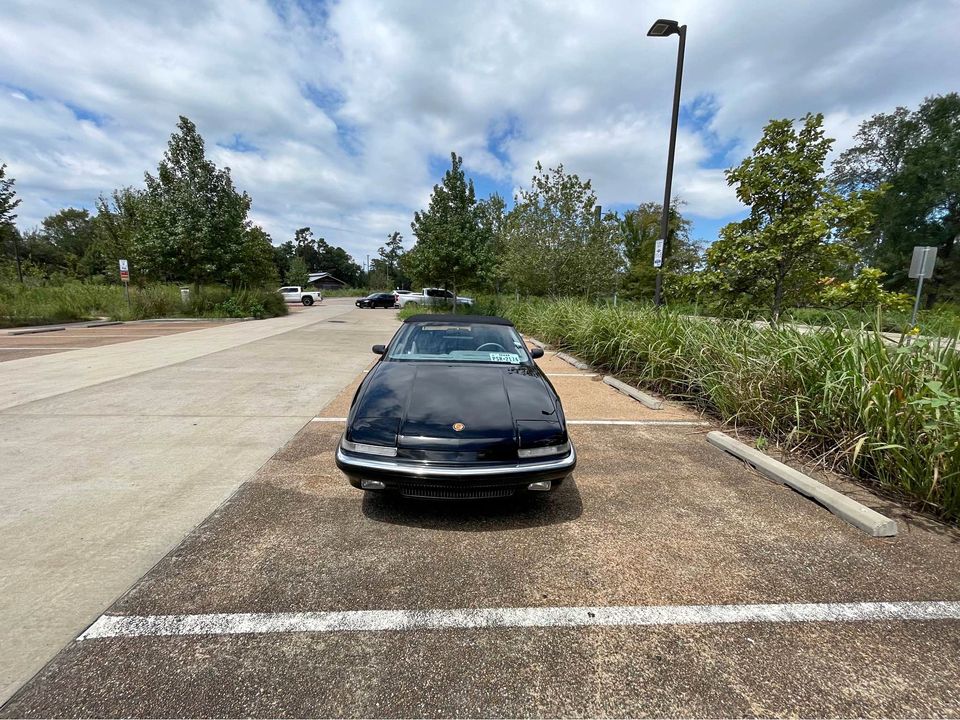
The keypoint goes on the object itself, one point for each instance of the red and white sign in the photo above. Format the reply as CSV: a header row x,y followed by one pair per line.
x,y
124,271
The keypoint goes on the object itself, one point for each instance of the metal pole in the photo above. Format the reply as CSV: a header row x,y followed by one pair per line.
x,y
665,218
916,304
126,291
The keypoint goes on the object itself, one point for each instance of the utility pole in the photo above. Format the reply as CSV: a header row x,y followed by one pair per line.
x,y
663,28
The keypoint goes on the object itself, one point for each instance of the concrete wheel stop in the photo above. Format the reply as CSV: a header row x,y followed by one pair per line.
x,y
847,509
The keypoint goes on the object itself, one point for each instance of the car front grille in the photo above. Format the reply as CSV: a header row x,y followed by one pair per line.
x,y
443,493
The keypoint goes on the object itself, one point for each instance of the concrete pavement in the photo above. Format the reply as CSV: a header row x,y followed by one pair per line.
x,y
110,455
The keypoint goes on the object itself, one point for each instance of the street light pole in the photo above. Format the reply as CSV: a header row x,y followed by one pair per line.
x,y
663,28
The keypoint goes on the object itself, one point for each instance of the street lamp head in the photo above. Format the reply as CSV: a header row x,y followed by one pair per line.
x,y
662,28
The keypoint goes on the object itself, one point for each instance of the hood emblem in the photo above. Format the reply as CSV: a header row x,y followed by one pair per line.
x,y
458,426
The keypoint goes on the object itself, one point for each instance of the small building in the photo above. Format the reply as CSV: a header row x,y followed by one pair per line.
x,y
324,281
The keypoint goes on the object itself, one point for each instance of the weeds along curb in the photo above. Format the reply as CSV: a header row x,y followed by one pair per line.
x,y
638,395
858,515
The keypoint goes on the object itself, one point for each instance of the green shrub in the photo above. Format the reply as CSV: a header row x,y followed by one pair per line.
x,y
886,413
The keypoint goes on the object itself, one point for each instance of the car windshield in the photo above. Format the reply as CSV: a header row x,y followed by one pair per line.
x,y
474,342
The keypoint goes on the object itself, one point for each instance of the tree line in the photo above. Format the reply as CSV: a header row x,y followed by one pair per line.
x,y
188,223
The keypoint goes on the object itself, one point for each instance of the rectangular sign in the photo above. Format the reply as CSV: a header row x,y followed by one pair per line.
x,y
658,254
924,258
124,271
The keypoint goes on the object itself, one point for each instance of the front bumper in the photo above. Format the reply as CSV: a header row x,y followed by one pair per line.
x,y
433,480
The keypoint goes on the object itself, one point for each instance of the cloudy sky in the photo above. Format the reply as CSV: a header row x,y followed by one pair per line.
x,y
342,115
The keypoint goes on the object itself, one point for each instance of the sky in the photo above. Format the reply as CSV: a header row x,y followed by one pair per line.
x,y
341,116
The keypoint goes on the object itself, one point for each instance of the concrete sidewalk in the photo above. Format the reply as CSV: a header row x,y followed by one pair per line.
x,y
111,455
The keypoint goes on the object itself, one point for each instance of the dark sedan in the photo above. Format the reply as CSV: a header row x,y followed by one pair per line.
x,y
375,300
456,408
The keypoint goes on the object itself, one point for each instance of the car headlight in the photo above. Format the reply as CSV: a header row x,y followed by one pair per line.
x,y
368,449
545,451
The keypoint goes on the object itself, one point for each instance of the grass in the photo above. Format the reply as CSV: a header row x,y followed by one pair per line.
x,y
76,301
887,414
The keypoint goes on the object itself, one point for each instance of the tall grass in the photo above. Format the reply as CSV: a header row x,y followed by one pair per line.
x,y
75,301
884,413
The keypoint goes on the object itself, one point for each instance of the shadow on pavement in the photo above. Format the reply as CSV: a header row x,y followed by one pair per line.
x,y
514,513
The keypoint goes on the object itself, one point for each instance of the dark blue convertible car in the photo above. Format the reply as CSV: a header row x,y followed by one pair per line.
x,y
456,408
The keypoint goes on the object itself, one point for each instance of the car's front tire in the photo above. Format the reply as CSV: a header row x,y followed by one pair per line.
x,y
308,301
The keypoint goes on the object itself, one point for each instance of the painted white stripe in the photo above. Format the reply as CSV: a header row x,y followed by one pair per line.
x,y
578,374
627,616
577,422
27,348
637,422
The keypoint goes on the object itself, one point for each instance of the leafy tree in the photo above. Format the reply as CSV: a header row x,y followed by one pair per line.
x,y
283,255
910,161
298,273
196,221
492,213
8,203
798,227
319,256
863,291
391,257
117,233
68,236
254,266
640,230
451,246
553,242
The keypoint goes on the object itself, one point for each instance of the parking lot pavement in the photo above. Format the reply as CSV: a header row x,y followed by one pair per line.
x,y
112,454
79,336
494,609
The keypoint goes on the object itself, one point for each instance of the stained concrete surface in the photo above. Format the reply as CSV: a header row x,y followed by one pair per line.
x,y
110,455
653,516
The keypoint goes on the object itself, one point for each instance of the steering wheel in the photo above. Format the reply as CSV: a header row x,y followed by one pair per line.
x,y
498,346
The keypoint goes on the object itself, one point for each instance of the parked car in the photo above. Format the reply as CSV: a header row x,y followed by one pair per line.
x,y
377,299
296,294
432,296
397,293
456,408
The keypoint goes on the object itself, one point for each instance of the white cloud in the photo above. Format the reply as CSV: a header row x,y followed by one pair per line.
x,y
89,93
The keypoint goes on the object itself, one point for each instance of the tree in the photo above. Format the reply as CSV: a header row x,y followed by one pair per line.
x,y
254,266
196,221
391,256
910,163
797,225
69,235
8,203
492,213
553,242
298,273
451,246
118,232
640,230
319,256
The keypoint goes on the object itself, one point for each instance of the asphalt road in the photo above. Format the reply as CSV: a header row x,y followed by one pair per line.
x,y
665,578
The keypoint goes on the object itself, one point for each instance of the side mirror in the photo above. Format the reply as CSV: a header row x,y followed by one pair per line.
x,y
536,353
379,349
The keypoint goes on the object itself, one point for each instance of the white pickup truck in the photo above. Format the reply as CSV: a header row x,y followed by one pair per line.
x,y
431,296
296,294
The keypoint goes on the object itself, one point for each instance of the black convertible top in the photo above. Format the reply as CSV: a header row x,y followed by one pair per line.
x,y
462,319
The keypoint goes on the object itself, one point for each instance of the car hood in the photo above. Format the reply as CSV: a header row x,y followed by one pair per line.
x,y
421,403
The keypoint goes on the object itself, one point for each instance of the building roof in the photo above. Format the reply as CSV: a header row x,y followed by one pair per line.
x,y
462,319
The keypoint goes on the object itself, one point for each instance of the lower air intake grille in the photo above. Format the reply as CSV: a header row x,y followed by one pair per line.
x,y
440,493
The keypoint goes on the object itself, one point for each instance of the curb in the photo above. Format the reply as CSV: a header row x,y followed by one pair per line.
x,y
104,324
534,341
638,395
578,364
858,515
35,331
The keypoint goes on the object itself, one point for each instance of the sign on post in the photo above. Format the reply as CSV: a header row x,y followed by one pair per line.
x,y
921,267
125,279
924,258
658,254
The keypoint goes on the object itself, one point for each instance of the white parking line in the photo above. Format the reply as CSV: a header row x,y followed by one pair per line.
x,y
577,374
637,422
680,423
625,616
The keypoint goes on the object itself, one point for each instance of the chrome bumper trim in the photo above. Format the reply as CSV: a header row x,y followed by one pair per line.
x,y
406,468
